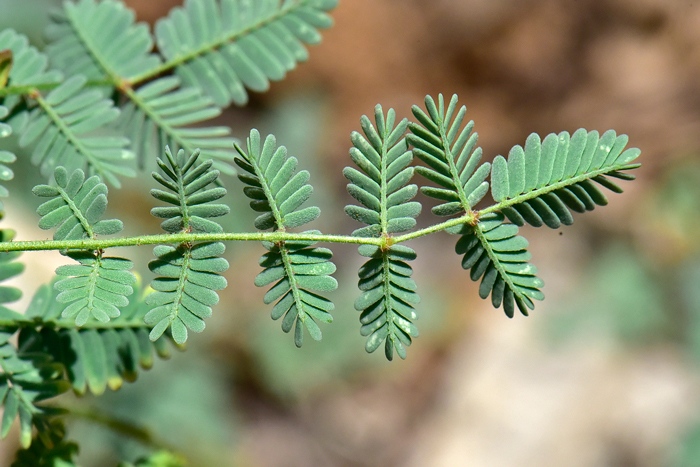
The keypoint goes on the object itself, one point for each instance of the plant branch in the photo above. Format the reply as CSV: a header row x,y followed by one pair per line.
x,y
274,237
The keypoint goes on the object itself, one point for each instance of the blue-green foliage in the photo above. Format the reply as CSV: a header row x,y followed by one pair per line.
x,y
60,130
381,185
75,207
6,157
447,149
228,46
97,287
96,356
557,174
29,66
498,256
297,269
161,113
189,274
27,377
99,40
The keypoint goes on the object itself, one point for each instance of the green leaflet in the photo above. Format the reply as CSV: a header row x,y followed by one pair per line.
x,y
541,183
5,66
451,159
6,157
30,70
98,356
381,186
228,46
9,268
75,207
97,288
27,378
189,274
387,299
161,113
60,130
188,183
299,271
49,448
100,40
494,253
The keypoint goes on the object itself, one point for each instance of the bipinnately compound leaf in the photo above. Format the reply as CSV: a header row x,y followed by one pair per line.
x,y
451,160
61,132
381,186
495,253
6,157
225,47
542,182
297,269
99,40
28,67
189,273
97,357
161,113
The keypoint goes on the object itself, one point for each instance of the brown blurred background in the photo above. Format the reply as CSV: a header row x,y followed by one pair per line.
x,y
605,372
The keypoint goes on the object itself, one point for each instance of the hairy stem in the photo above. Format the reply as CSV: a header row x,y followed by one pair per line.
x,y
274,237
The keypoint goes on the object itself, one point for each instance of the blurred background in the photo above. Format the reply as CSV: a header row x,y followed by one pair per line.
x,y
605,372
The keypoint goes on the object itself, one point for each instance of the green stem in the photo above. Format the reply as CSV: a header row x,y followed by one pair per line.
x,y
87,244
274,237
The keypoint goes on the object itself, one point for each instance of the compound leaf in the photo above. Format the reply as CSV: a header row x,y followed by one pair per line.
x,y
61,132
97,288
381,186
190,272
75,207
29,67
161,113
6,157
494,253
451,159
278,191
100,41
543,182
228,46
